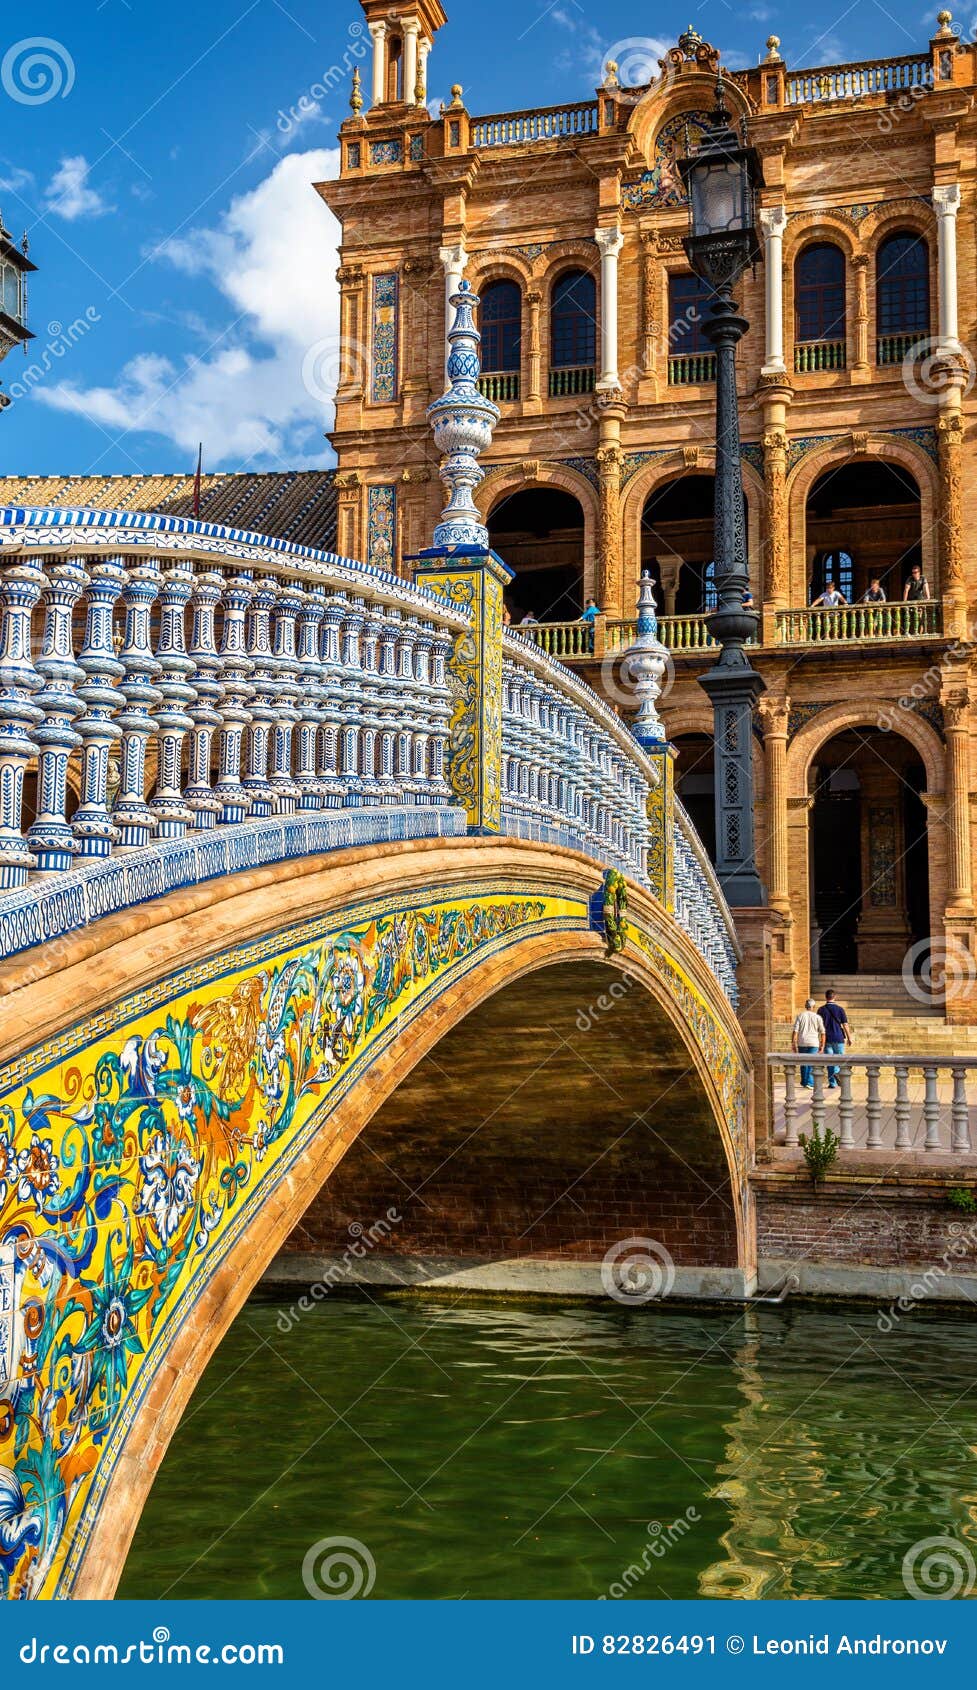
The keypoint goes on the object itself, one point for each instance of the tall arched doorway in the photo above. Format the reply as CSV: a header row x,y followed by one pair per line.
x,y
695,784
677,543
869,862
863,520
539,533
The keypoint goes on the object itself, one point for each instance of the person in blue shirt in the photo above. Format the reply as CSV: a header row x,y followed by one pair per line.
x,y
837,1033
592,611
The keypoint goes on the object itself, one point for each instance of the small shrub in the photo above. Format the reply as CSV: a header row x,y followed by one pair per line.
x,y
820,1151
962,1198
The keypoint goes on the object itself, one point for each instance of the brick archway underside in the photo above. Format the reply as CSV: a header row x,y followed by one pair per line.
x,y
541,1125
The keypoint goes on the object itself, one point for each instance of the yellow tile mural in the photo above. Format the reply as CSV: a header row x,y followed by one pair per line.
x,y
136,1148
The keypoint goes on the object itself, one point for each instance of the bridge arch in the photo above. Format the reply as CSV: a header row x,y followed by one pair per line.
x,y
257,991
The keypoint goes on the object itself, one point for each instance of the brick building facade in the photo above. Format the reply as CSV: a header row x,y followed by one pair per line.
x,y
855,381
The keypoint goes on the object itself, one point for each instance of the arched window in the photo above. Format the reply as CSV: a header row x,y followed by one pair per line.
x,y
710,597
690,355
837,567
819,308
573,333
902,295
500,320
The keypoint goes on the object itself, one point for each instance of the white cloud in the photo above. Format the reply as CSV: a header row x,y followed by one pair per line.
x,y
69,195
272,256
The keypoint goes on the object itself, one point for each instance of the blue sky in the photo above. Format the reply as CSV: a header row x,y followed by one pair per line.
x,y
186,268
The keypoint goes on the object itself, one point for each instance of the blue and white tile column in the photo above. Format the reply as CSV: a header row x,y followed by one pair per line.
x,y
351,719
173,720
98,730
310,704
389,706
255,782
204,712
332,701
20,589
285,790
130,812
235,698
51,837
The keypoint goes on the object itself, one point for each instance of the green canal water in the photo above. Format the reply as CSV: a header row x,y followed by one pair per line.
x,y
521,1450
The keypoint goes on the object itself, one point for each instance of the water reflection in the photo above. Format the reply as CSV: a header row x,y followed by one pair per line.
x,y
527,1450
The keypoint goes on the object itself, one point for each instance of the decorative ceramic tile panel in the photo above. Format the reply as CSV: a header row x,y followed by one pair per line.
x,y
382,527
385,292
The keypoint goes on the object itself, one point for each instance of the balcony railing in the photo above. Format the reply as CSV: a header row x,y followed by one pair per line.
x,y
502,387
567,383
515,129
851,82
893,348
814,355
567,640
691,368
856,623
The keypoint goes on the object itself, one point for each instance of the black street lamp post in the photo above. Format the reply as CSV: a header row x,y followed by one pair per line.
x,y
720,178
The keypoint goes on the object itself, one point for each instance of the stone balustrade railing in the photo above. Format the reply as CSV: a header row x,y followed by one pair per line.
x,y
700,906
187,678
571,771
858,622
902,1103
549,123
853,81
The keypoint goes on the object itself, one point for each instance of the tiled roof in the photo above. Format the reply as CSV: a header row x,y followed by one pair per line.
x,y
299,505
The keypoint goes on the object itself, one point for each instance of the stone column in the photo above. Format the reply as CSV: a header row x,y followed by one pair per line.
x,y
956,720
946,204
263,684
423,52
379,34
650,326
949,437
454,258
773,222
609,243
775,393
288,692
411,28
534,300
862,362
609,585
235,698
51,837
774,714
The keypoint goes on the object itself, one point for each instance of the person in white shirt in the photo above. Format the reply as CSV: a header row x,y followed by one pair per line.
x,y
808,1038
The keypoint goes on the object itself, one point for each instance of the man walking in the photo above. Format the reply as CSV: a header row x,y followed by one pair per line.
x,y
807,1039
837,1033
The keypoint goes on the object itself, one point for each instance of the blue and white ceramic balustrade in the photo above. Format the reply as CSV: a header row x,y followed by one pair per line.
x,y
50,837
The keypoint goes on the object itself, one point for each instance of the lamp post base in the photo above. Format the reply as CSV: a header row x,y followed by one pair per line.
x,y
733,690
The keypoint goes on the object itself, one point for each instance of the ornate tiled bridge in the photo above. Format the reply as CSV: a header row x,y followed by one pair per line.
x,y
370,811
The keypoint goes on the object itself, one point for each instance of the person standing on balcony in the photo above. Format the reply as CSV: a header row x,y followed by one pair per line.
x,y
831,598
837,1033
874,593
807,1039
529,618
591,612
917,587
